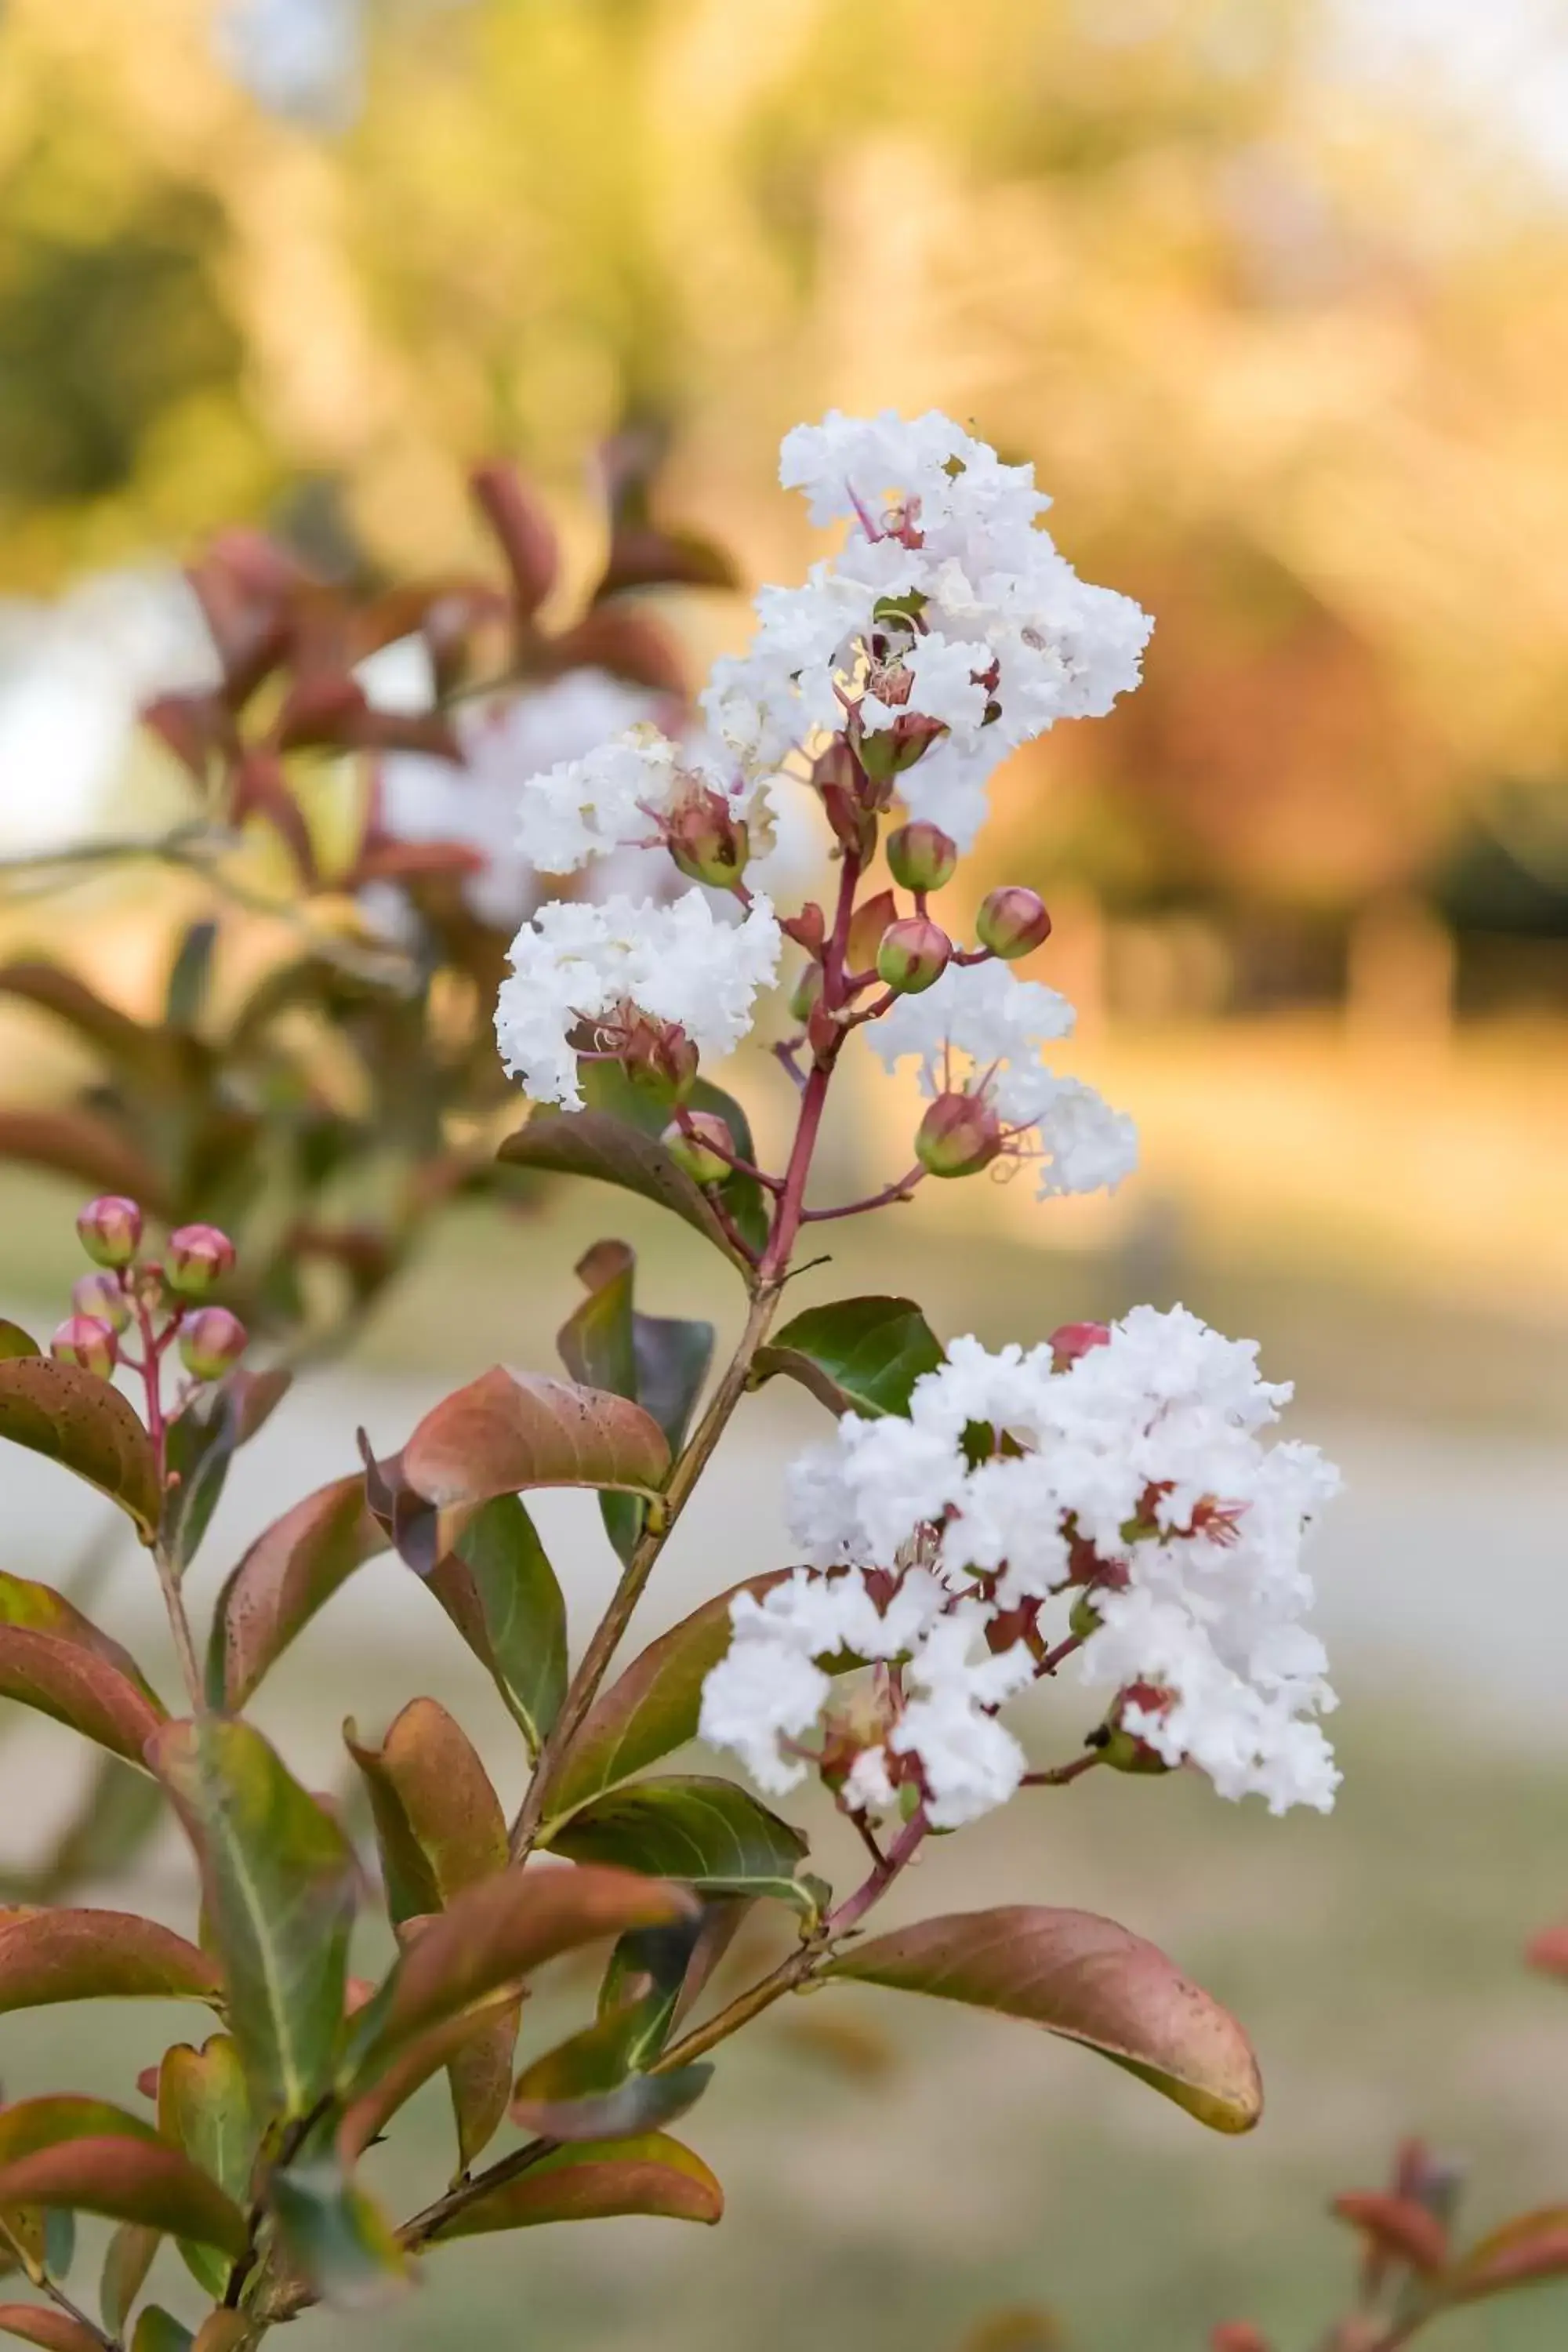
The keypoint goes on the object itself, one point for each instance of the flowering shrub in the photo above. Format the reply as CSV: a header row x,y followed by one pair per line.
x,y
1107,1507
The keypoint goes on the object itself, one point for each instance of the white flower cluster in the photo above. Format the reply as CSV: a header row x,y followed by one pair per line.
x,y
980,1030
948,604
1136,1471
577,967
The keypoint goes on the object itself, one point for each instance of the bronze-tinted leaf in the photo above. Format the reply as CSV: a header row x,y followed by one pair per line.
x,y
41,1610
78,1687
479,2075
652,1708
84,1423
1532,2247
592,1143
278,1884
41,2323
508,1429
594,2183
438,1822
28,2124
366,2115
289,1571
127,2260
641,555
49,1956
494,1935
140,1051
129,2181
1398,2227
1087,1979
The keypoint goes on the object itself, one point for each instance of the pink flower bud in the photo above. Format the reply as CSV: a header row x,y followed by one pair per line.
x,y
111,1228
687,1146
199,1256
84,1341
959,1135
1012,922
920,857
101,1296
1071,1340
708,841
212,1342
912,954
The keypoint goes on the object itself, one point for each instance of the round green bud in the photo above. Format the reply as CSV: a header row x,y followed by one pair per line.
x,y
920,857
199,1257
959,1135
687,1146
912,954
1012,922
110,1229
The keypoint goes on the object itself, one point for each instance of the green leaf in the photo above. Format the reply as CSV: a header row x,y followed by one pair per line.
x,y
651,1107
508,1429
651,1709
438,1822
1087,1979
709,1835
656,1974
53,1956
278,1879
586,2088
158,2330
128,2180
859,1355
592,1143
126,2263
289,1571
41,2323
82,1422
595,2182
660,1363
494,1935
341,2239
79,1688
15,1342
205,2107
500,1592
479,2074
202,1442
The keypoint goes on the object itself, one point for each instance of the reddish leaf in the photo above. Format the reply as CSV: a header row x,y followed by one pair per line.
x,y
78,1687
594,1143
445,2045
643,556
523,531
50,1956
508,1429
614,638
1087,1979
87,1426
289,1571
40,1608
594,2183
1530,2248
89,1150
479,2075
129,2181
41,2323
438,1822
871,919
495,1935
651,1709
143,1050
1397,2226
126,2263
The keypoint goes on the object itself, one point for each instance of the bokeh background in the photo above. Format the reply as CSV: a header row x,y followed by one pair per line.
x,y
1275,292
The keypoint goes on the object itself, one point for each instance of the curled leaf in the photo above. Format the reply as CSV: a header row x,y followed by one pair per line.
x,y
595,2182
586,2088
53,1956
367,2115
1087,1979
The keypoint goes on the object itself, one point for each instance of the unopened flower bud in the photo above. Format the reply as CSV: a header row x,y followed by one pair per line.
x,y
661,1057
111,1228
1084,1618
912,954
687,1146
1123,1749
100,1295
212,1342
708,841
84,1341
959,1135
1012,922
920,857
888,751
806,993
1069,1341
199,1256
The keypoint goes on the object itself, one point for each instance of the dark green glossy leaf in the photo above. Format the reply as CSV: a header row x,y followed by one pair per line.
x,y
661,1363
87,1426
277,1877
711,1835
587,2089
494,1935
592,1143
1087,1979
202,1442
859,1355
656,1974
49,1956
593,2182
341,2239
205,2107
289,1571
158,2330
500,1590
652,1708
127,2260
507,1431
438,1822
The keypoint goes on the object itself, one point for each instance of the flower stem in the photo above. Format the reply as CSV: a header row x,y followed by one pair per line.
x,y
152,1372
